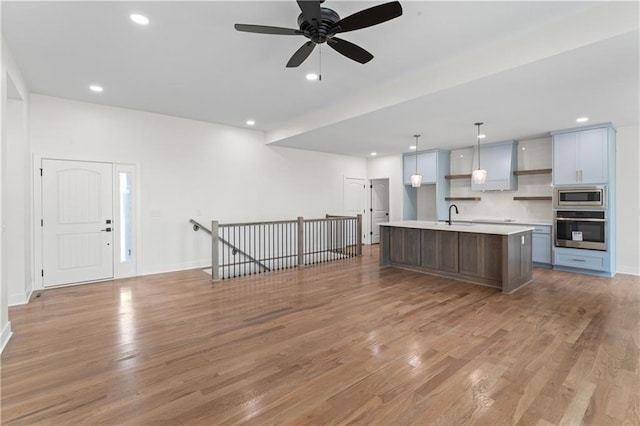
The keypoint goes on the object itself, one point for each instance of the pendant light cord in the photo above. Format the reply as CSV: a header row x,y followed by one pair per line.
x,y
478,139
320,63
416,136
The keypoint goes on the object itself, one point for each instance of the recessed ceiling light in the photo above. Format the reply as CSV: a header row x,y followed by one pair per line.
x,y
373,154
482,136
96,88
312,76
412,147
250,122
582,119
139,19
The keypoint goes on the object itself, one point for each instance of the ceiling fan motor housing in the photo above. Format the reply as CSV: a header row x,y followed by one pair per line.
x,y
323,31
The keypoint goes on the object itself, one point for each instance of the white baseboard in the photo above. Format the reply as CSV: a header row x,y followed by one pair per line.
x,y
6,335
19,298
177,267
630,270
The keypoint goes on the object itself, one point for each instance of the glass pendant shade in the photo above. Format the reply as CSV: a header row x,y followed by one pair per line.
x,y
479,176
416,181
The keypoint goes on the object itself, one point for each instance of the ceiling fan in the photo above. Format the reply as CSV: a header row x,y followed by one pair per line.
x,y
321,24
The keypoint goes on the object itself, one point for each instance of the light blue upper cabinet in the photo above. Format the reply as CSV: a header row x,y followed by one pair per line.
x,y
581,157
499,160
427,167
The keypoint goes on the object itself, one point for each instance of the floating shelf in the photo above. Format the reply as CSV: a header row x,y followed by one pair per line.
x,y
542,198
457,177
532,172
462,198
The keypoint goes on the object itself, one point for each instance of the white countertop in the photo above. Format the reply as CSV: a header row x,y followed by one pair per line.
x,y
478,228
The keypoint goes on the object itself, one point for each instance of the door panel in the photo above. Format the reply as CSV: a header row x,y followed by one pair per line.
x,y
76,205
379,207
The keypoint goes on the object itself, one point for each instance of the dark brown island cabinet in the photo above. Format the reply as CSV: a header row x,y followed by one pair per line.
x,y
498,256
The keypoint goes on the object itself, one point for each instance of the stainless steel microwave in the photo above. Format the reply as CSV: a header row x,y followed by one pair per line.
x,y
592,197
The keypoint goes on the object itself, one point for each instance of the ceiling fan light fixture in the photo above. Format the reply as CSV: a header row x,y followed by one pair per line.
x,y
479,176
311,76
320,25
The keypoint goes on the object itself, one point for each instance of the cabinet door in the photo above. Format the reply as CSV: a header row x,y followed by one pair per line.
x,y
448,251
541,248
405,246
565,167
408,167
592,156
412,246
429,248
470,248
427,164
427,167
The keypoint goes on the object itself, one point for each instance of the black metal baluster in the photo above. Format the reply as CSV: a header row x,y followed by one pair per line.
x,y
221,233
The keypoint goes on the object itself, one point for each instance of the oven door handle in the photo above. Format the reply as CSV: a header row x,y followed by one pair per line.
x,y
580,220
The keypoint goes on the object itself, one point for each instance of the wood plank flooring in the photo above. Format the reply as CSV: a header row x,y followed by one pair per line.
x,y
345,342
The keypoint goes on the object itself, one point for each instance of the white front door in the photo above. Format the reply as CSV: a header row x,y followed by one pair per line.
x,y
379,207
77,220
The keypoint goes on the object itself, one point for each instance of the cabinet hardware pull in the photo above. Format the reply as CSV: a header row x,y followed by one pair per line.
x,y
578,260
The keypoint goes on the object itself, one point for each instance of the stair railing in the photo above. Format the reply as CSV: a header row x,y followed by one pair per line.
x,y
239,249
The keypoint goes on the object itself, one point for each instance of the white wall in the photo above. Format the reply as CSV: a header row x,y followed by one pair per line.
x,y
191,169
15,246
628,196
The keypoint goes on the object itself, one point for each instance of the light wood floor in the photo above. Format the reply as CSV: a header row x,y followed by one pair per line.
x,y
345,342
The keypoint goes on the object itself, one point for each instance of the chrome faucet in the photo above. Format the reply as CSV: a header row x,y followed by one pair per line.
x,y
457,212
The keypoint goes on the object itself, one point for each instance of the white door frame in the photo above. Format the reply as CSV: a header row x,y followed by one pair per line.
x,y
36,230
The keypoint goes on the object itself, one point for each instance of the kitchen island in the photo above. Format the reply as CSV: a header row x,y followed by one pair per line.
x,y
498,256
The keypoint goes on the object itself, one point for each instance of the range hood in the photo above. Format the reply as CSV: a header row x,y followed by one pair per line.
x,y
500,161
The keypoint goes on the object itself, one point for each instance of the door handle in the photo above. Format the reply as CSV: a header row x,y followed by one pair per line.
x,y
106,230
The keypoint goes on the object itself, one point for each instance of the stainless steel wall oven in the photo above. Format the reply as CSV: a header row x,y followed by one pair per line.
x,y
581,229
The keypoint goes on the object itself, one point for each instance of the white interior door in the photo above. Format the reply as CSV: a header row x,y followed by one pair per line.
x,y
77,220
379,207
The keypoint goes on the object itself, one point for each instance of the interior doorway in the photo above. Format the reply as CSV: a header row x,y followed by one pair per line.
x,y
379,207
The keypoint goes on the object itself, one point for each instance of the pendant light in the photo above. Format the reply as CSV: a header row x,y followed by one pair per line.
x,y
479,176
416,179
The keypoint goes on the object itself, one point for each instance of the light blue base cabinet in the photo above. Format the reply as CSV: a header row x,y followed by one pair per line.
x,y
541,237
592,262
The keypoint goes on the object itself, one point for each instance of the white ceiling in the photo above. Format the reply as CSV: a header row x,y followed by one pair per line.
x,y
524,68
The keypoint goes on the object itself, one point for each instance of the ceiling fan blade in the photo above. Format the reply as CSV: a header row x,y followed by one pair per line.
x,y
301,54
265,29
350,50
311,10
368,17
